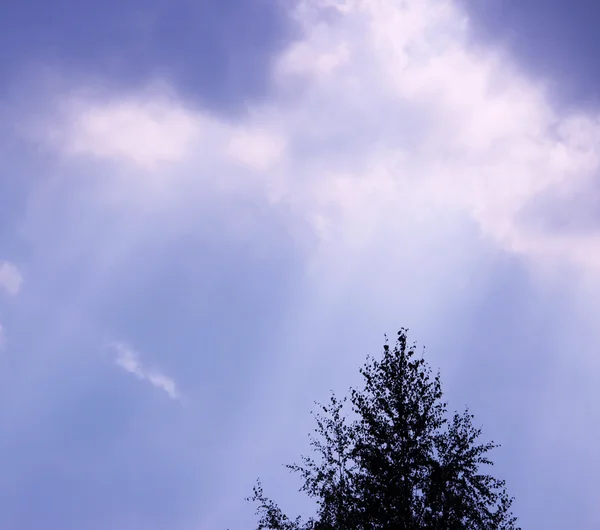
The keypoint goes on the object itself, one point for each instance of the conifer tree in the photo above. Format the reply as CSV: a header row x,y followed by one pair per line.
x,y
390,457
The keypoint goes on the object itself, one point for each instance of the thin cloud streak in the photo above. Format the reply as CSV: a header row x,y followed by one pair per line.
x,y
128,359
10,281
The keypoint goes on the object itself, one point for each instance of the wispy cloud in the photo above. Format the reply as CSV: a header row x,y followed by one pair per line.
x,y
10,278
10,282
129,360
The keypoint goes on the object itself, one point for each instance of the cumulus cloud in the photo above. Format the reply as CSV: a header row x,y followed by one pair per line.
x,y
381,103
128,359
10,278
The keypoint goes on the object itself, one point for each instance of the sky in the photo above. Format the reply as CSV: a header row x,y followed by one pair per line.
x,y
211,212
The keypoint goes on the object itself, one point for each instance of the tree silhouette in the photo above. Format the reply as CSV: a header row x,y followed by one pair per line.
x,y
393,459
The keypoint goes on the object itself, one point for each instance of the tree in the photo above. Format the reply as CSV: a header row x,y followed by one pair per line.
x,y
393,459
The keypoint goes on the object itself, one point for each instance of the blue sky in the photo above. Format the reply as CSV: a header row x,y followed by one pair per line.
x,y
211,212
551,39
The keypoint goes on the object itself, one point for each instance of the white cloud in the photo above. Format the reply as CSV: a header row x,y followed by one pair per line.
x,y
258,150
10,278
146,131
383,103
453,127
128,359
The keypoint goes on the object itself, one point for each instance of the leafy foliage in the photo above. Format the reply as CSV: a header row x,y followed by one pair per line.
x,y
401,463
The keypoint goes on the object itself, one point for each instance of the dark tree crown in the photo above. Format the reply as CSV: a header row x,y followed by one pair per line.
x,y
401,463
